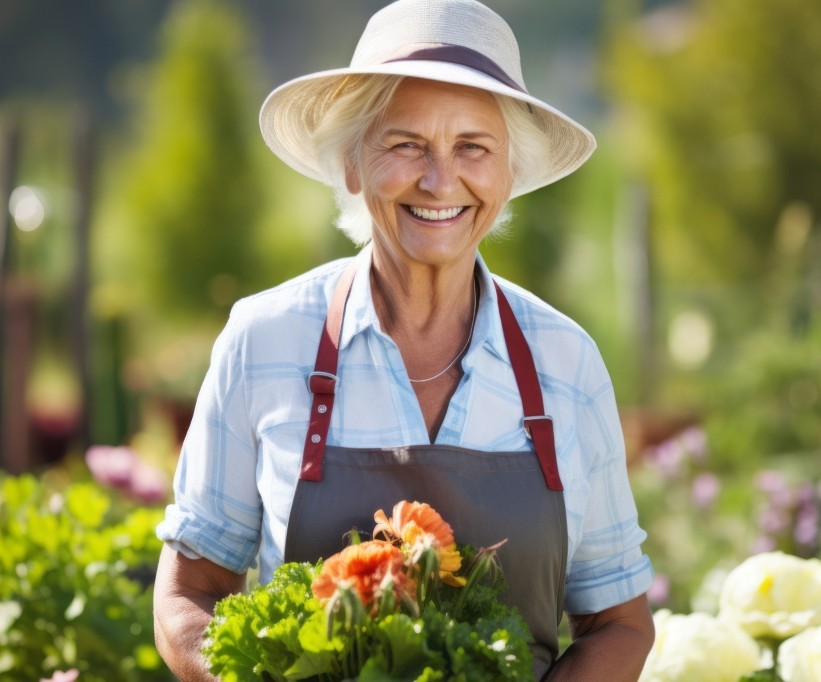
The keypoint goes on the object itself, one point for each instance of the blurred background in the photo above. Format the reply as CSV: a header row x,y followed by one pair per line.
x,y
140,202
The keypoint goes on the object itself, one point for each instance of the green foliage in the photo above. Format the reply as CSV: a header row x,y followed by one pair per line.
x,y
773,385
258,632
761,676
75,584
280,632
728,148
563,245
190,191
195,212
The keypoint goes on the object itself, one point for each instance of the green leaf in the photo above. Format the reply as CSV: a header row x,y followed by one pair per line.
x,y
313,635
232,647
475,655
431,675
258,633
406,646
9,612
761,676
76,607
87,504
312,664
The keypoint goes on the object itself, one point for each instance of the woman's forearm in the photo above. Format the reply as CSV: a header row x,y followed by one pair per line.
x,y
185,593
610,646
179,626
614,654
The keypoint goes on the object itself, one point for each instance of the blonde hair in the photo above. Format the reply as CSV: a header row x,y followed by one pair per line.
x,y
360,101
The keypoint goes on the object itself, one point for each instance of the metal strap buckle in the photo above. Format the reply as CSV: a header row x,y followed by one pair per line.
x,y
535,418
322,383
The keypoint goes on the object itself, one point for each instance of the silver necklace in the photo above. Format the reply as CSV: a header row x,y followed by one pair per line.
x,y
464,348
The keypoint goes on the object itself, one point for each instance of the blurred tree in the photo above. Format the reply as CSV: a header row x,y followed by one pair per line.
x,y
718,100
174,238
196,213
559,246
716,103
190,192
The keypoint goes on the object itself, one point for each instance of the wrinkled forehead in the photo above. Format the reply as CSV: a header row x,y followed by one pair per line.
x,y
418,104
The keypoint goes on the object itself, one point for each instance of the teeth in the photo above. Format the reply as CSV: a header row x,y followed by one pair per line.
x,y
432,214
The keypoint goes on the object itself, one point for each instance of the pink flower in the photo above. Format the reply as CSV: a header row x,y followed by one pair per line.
x,y
659,591
775,485
149,484
705,489
122,468
695,442
773,520
112,466
60,676
668,457
806,529
763,544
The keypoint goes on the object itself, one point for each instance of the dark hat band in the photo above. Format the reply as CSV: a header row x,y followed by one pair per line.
x,y
458,54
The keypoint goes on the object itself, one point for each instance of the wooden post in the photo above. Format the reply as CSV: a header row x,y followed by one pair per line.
x,y
16,324
8,171
18,330
83,152
635,272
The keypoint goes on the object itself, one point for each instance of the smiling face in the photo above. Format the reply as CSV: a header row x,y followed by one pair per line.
x,y
435,173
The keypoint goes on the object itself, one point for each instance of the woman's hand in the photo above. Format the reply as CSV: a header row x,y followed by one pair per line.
x,y
611,645
185,593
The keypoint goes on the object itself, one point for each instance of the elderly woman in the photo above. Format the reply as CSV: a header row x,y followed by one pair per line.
x,y
410,372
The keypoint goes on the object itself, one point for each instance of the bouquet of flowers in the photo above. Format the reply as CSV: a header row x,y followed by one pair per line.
x,y
407,605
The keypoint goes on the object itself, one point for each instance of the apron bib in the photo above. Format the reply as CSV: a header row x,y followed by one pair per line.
x,y
485,496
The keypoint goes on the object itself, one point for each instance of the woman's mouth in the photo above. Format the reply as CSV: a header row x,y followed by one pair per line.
x,y
434,214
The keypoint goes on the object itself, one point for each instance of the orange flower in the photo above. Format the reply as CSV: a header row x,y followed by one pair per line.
x,y
365,568
418,525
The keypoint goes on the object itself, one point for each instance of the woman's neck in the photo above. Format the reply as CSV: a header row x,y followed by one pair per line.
x,y
419,299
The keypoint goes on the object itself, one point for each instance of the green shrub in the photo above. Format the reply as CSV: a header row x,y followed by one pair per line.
x,y
76,583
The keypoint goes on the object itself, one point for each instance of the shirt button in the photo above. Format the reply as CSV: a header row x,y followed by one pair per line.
x,y
316,438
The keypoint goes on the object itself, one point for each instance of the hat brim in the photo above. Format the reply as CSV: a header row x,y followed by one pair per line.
x,y
291,112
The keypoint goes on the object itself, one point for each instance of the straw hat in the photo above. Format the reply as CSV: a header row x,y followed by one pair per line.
x,y
455,41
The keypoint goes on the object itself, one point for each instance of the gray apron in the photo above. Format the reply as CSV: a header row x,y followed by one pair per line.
x,y
485,496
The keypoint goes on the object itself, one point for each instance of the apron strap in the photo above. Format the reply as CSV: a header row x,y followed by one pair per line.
x,y
537,424
322,383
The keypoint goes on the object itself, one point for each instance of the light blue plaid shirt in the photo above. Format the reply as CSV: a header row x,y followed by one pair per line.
x,y
240,460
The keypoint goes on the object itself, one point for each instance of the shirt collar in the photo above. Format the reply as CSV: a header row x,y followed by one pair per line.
x,y
487,329
360,313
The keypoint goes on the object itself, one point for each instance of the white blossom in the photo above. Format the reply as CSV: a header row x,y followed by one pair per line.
x,y
773,595
696,647
799,659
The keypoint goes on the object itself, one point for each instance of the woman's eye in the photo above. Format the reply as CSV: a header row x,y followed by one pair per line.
x,y
472,147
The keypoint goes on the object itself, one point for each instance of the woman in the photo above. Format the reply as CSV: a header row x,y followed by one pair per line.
x,y
433,380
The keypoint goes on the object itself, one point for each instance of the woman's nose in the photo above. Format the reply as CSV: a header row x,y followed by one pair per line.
x,y
440,176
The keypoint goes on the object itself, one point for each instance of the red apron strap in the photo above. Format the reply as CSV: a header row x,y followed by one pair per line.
x,y
537,424
322,382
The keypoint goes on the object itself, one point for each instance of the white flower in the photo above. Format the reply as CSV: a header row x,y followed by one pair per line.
x,y
773,595
799,659
696,647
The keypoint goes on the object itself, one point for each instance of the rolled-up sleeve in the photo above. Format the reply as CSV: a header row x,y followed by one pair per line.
x,y
607,567
217,512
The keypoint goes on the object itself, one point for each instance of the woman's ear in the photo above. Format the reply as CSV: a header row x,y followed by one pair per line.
x,y
352,181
